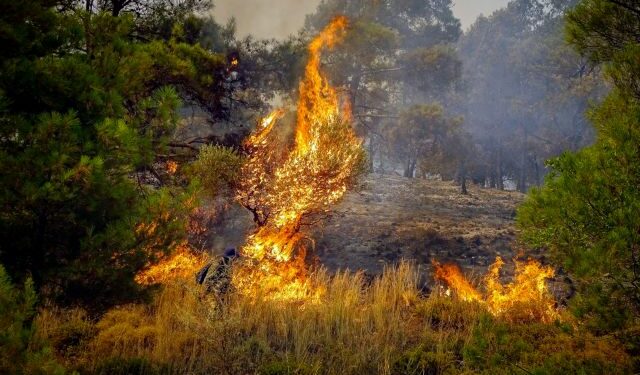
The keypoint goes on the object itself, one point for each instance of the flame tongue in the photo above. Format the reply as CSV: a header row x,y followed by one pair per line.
x,y
318,103
527,297
284,187
451,274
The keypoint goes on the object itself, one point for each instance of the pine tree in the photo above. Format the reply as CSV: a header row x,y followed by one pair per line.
x,y
586,214
85,107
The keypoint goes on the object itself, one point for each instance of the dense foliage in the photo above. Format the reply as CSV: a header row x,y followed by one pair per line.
x,y
84,108
586,214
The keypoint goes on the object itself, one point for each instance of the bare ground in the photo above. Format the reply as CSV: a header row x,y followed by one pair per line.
x,y
392,218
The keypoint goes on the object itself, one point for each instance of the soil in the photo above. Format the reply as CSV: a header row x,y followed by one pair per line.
x,y
390,218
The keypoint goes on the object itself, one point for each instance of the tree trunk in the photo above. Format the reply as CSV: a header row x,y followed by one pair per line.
x,y
499,172
463,179
372,154
410,168
118,5
522,176
354,86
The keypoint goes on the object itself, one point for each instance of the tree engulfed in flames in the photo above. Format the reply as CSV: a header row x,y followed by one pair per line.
x,y
525,298
282,188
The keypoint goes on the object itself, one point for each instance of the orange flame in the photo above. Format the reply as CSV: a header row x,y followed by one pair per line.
x,y
281,187
183,264
318,99
525,298
451,274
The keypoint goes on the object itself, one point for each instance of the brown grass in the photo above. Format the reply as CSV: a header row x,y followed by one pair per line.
x,y
382,327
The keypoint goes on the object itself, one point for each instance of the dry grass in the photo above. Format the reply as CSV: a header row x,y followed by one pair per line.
x,y
383,327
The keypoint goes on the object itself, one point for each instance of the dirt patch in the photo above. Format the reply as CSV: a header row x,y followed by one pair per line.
x,y
393,217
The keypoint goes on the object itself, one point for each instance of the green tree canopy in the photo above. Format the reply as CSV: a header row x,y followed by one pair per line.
x,y
586,214
86,108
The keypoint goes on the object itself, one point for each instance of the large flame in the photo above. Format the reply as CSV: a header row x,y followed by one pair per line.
x,y
525,298
284,187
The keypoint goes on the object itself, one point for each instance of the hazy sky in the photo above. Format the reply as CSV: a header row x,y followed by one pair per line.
x,y
469,10
279,18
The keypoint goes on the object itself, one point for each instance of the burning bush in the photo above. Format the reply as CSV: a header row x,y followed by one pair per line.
x,y
284,188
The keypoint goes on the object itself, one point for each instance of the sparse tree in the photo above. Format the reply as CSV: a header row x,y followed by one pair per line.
x,y
421,133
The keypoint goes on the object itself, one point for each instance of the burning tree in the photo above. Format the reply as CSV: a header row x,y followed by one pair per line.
x,y
283,188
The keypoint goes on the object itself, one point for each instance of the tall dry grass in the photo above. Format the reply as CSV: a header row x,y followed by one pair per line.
x,y
353,327
378,327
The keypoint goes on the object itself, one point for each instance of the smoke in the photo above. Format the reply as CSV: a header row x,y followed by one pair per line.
x,y
281,18
265,19
468,10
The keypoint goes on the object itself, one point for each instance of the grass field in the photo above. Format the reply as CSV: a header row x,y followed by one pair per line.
x,y
382,326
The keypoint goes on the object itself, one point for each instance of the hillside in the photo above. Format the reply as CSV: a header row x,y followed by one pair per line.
x,y
392,218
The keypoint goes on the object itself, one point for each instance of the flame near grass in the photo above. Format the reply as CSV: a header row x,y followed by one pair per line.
x,y
182,264
282,187
525,298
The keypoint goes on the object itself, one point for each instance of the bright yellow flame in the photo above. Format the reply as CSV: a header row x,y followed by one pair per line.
x,y
318,101
525,298
451,274
183,264
283,187
172,167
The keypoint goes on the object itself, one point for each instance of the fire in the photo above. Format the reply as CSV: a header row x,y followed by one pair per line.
x,y
451,274
172,167
183,264
525,298
284,186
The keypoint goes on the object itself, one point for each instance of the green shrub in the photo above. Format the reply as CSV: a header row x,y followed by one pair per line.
x,y
21,352
424,360
496,347
286,367
217,168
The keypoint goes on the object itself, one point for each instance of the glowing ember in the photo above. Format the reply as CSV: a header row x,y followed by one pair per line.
x,y
281,187
183,264
172,167
525,298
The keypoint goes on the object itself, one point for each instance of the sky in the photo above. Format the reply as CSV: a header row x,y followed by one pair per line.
x,y
280,18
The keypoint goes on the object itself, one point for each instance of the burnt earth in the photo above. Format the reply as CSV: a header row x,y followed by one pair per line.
x,y
392,218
